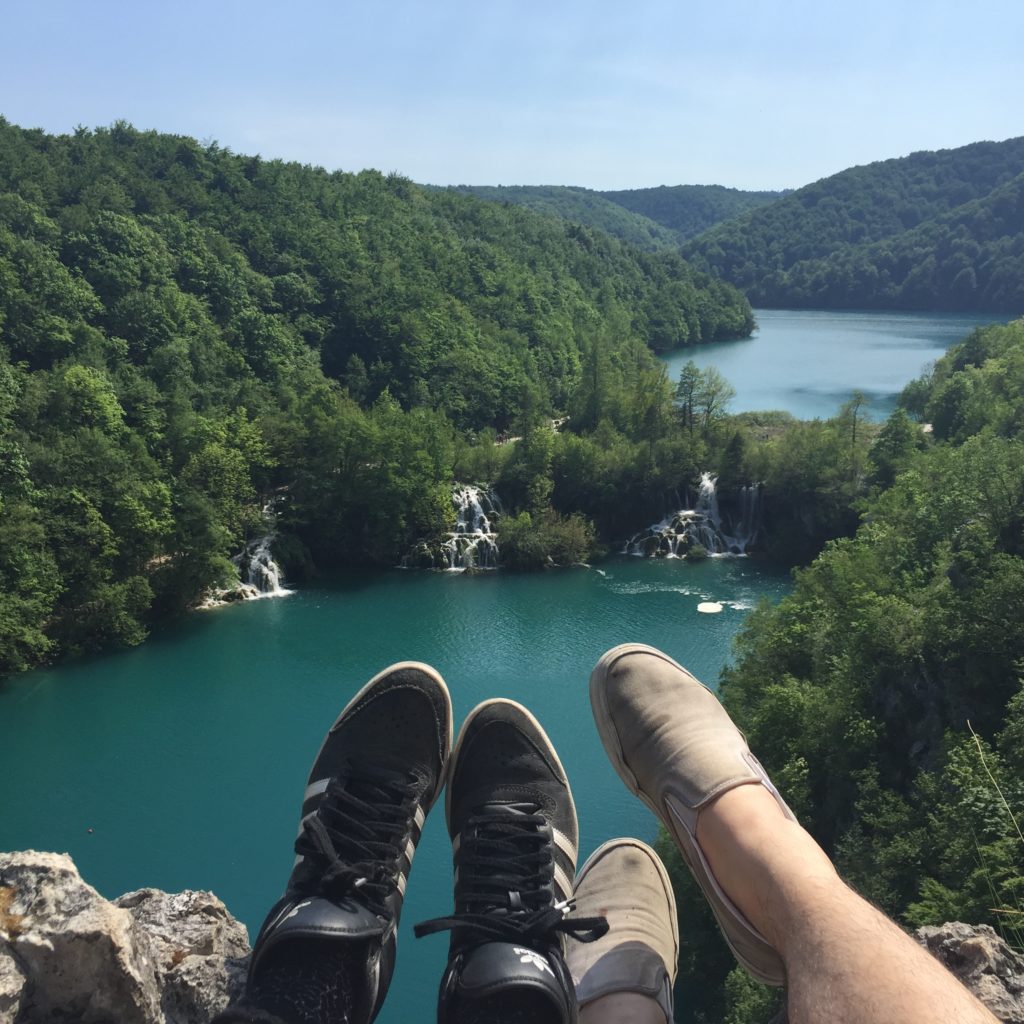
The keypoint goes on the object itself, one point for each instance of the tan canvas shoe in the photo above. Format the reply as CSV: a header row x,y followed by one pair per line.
x,y
676,748
625,882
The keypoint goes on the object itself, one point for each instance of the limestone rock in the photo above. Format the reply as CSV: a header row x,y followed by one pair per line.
x,y
66,953
12,981
983,962
150,957
200,950
81,956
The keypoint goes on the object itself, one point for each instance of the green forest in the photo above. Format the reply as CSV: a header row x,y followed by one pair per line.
x,y
581,206
656,219
931,231
935,230
186,333
690,210
884,695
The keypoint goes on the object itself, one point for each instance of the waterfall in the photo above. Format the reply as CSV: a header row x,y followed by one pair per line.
x,y
260,575
704,525
473,544
748,519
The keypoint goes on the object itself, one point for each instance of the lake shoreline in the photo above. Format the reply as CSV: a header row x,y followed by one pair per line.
x,y
800,356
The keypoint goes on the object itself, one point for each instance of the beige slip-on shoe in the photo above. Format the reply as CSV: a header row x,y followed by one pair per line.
x,y
676,748
625,882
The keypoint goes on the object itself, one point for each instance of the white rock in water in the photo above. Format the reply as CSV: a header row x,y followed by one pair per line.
x,y
709,606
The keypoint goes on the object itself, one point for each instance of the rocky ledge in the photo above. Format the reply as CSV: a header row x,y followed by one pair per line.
x,y
151,957
67,954
983,962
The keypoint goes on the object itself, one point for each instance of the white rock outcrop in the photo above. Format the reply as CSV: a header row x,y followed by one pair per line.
x,y
151,957
148,957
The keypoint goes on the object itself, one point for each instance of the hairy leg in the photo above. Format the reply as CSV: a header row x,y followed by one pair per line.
x,y
845,961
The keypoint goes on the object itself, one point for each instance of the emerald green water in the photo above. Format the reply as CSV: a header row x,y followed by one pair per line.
x,y
187,756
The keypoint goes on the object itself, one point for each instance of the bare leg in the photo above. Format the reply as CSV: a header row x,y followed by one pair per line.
x,y
845,961
622,1008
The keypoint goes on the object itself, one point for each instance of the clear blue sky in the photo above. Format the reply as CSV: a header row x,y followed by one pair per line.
x,y
624,94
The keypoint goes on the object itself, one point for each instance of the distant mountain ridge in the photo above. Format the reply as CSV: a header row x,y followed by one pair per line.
x,y
581,206
689,210
933,230
656,219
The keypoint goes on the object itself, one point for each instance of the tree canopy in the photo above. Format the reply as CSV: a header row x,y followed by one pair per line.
x,y
690,210
656,219
935,230
187,334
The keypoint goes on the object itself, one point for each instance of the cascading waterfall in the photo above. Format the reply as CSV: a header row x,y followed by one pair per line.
x,y
258,574
678,533
473,544
748,520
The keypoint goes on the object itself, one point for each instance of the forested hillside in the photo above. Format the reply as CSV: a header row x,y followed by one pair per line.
x,y
689,210
884,695
937,230
581,206
186,332
656,219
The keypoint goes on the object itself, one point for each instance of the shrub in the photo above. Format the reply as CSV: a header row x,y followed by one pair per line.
x,y
535,542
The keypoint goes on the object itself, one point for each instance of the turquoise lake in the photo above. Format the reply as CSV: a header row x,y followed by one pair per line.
x,y
186,757
808,362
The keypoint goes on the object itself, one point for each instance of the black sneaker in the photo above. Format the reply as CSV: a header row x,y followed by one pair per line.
x,y
326,951
514,837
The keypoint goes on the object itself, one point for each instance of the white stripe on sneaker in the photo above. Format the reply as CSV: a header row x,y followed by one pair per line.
x,y
562,883
565,844
315,788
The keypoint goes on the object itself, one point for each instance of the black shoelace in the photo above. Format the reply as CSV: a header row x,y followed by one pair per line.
x,y
504,888
352,844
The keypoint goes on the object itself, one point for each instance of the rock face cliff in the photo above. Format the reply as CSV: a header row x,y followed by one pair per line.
x,y
151,957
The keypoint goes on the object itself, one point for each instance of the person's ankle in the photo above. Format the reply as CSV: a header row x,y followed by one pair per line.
x,y
729,818
761,858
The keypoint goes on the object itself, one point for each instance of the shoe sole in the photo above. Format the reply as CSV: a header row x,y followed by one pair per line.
x,y
666,882
435,676
695,861
483,705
